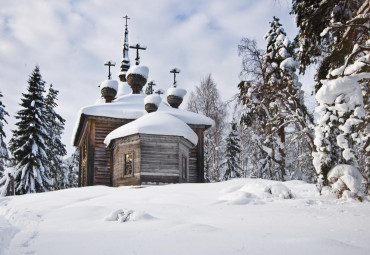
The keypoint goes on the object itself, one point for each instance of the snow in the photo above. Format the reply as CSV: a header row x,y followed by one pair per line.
x,y
288,63
142,70
155,123
345,175
109,84
179,92
123,89
132,107
153,99
348,86
184,219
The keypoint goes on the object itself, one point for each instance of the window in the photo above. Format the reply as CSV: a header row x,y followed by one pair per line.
x,y
184,168
129,163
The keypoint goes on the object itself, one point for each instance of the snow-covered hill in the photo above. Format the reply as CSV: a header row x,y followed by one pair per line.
x,y
244,216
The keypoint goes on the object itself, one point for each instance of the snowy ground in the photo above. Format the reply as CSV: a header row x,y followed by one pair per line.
x,y
234,217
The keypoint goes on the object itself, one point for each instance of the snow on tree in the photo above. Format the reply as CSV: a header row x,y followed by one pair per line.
x,y
345,181
6,180
28,143
364,151
207,101
232,154
3,148
335,34
72,163
273,101
55,149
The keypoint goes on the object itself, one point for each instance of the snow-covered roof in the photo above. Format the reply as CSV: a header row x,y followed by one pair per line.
x,y
131,106
156,123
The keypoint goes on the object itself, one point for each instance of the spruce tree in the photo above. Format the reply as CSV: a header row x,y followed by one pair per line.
x,y
55,149
232,154
28,143
3,148
273,101
285,97
335,35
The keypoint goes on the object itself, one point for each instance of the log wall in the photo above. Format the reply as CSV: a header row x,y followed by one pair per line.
x,y
123,146
97,161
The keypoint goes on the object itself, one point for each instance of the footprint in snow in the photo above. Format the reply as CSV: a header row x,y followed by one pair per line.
x,y
124,215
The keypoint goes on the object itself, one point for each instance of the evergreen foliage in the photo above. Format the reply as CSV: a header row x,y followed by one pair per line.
x,y
232,154
273,102
335,35
55,149
73,163
3,148
28,143
207,101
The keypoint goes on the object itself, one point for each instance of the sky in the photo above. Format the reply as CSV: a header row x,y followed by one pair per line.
x,y
71,40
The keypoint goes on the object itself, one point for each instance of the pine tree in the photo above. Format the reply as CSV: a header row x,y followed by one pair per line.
x,y
335,34
3,149
207,101
28,143
232,154
273,102
55,148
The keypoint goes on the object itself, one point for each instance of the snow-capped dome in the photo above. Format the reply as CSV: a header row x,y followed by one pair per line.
x,y
142,70
153,99
156,123
179,92
113,84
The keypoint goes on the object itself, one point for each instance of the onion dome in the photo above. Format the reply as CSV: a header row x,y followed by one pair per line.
x,y
109,89
175,96
136,78
152,102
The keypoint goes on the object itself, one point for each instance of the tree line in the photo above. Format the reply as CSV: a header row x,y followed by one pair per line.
x,y
37,156
272,134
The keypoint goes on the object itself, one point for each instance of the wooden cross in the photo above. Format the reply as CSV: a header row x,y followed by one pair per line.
x,y
109,64
126,17
175,71
150,87
159,92
137,47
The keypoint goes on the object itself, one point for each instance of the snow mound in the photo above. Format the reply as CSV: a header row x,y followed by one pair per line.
x,y
156,123
255,193
109,84
142,70
153,99
179,92
279,190
124,215
345,181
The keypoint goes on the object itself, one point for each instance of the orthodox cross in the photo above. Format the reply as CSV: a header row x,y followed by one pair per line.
x,y
175,71
150,87
126,17
109,64
137,47
159,92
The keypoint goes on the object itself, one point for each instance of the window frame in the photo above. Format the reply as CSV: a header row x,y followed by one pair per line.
x,y
125,164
